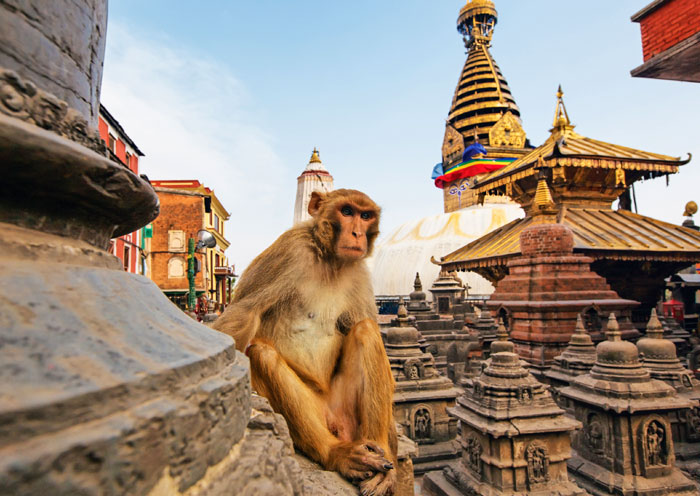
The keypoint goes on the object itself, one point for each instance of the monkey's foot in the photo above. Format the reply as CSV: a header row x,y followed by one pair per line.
x,y
359,460
382,484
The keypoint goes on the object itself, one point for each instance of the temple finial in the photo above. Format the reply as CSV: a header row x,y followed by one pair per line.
x,y
561,116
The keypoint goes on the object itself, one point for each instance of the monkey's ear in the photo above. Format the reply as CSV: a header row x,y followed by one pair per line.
x,y
315,203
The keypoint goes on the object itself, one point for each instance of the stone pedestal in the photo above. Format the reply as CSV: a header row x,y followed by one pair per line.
x,y
545,290
105,386
421,397
577,359
626,445
514,438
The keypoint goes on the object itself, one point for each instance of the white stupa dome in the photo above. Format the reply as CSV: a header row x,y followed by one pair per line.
x,y
407,249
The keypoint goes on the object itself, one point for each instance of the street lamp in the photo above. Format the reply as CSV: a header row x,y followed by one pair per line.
x,y
205,239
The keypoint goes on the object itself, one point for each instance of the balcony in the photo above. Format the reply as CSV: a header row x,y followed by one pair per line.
x,y
223,271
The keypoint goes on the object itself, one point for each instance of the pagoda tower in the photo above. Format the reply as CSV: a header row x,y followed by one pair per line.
x,y
483,111
314,178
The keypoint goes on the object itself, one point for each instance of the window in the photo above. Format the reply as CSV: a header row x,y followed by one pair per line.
x,y
216,223
176,241
127,257
128,159
176,267
112,143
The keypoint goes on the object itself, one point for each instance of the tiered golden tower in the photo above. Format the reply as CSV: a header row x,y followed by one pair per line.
x,y
483,107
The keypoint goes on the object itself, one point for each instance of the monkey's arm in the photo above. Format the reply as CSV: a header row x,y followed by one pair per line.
x,y
305,410
240,323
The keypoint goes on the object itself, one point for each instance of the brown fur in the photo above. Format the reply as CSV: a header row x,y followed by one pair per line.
x,y
304,310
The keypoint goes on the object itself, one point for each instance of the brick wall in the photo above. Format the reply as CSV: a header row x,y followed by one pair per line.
x,y
671,23
177,212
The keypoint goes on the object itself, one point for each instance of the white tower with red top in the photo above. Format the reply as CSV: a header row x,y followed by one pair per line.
x,y
314,178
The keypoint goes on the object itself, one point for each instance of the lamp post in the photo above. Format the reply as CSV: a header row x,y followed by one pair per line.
x,y
206,240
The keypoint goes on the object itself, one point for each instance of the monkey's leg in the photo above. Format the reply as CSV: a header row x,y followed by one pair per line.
x,y
364,386
305,411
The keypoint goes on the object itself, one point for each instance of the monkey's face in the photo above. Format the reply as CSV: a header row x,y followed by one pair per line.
x,y
354,223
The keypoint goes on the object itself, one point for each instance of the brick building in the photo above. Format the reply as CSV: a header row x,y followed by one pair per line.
x,y
129,247
670,40
187,207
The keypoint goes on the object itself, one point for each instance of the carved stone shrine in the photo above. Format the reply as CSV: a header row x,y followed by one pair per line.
x,y
448,291
577,359
514,438
658,355
421,397
626,445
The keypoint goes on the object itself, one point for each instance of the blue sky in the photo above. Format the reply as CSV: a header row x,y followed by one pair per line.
x,y
237,94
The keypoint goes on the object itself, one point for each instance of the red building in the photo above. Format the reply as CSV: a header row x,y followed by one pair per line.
x,y
670,40
129,248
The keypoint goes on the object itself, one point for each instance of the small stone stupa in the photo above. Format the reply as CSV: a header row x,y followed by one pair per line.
x,y
577,359
421,397
515,439
626,446
659,357
418,306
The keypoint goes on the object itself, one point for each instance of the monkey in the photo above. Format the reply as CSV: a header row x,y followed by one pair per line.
x,y
304,313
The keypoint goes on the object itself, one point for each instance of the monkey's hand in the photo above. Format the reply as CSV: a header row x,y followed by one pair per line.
x,y
382,484
359,460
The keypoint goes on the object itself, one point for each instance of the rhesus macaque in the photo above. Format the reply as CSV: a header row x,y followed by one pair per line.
x,y
304,312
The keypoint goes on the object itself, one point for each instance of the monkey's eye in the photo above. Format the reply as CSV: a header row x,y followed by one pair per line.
x,y
366,215
346,210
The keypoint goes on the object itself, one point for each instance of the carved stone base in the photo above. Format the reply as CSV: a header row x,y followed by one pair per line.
x,y
456,481
601,482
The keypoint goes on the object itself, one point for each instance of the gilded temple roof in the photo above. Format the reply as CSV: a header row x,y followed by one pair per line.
x,y
599,233
566,148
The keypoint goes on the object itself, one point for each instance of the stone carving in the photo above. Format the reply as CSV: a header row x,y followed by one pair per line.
x,y
413,369
422,424
473,450
655,444
693,423
595,434
537,464
21,99
507,132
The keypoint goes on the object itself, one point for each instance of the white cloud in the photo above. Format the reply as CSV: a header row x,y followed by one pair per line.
x,y
190,116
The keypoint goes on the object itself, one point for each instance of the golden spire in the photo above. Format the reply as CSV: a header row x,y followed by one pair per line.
x,y
561,121
315,159
482,96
